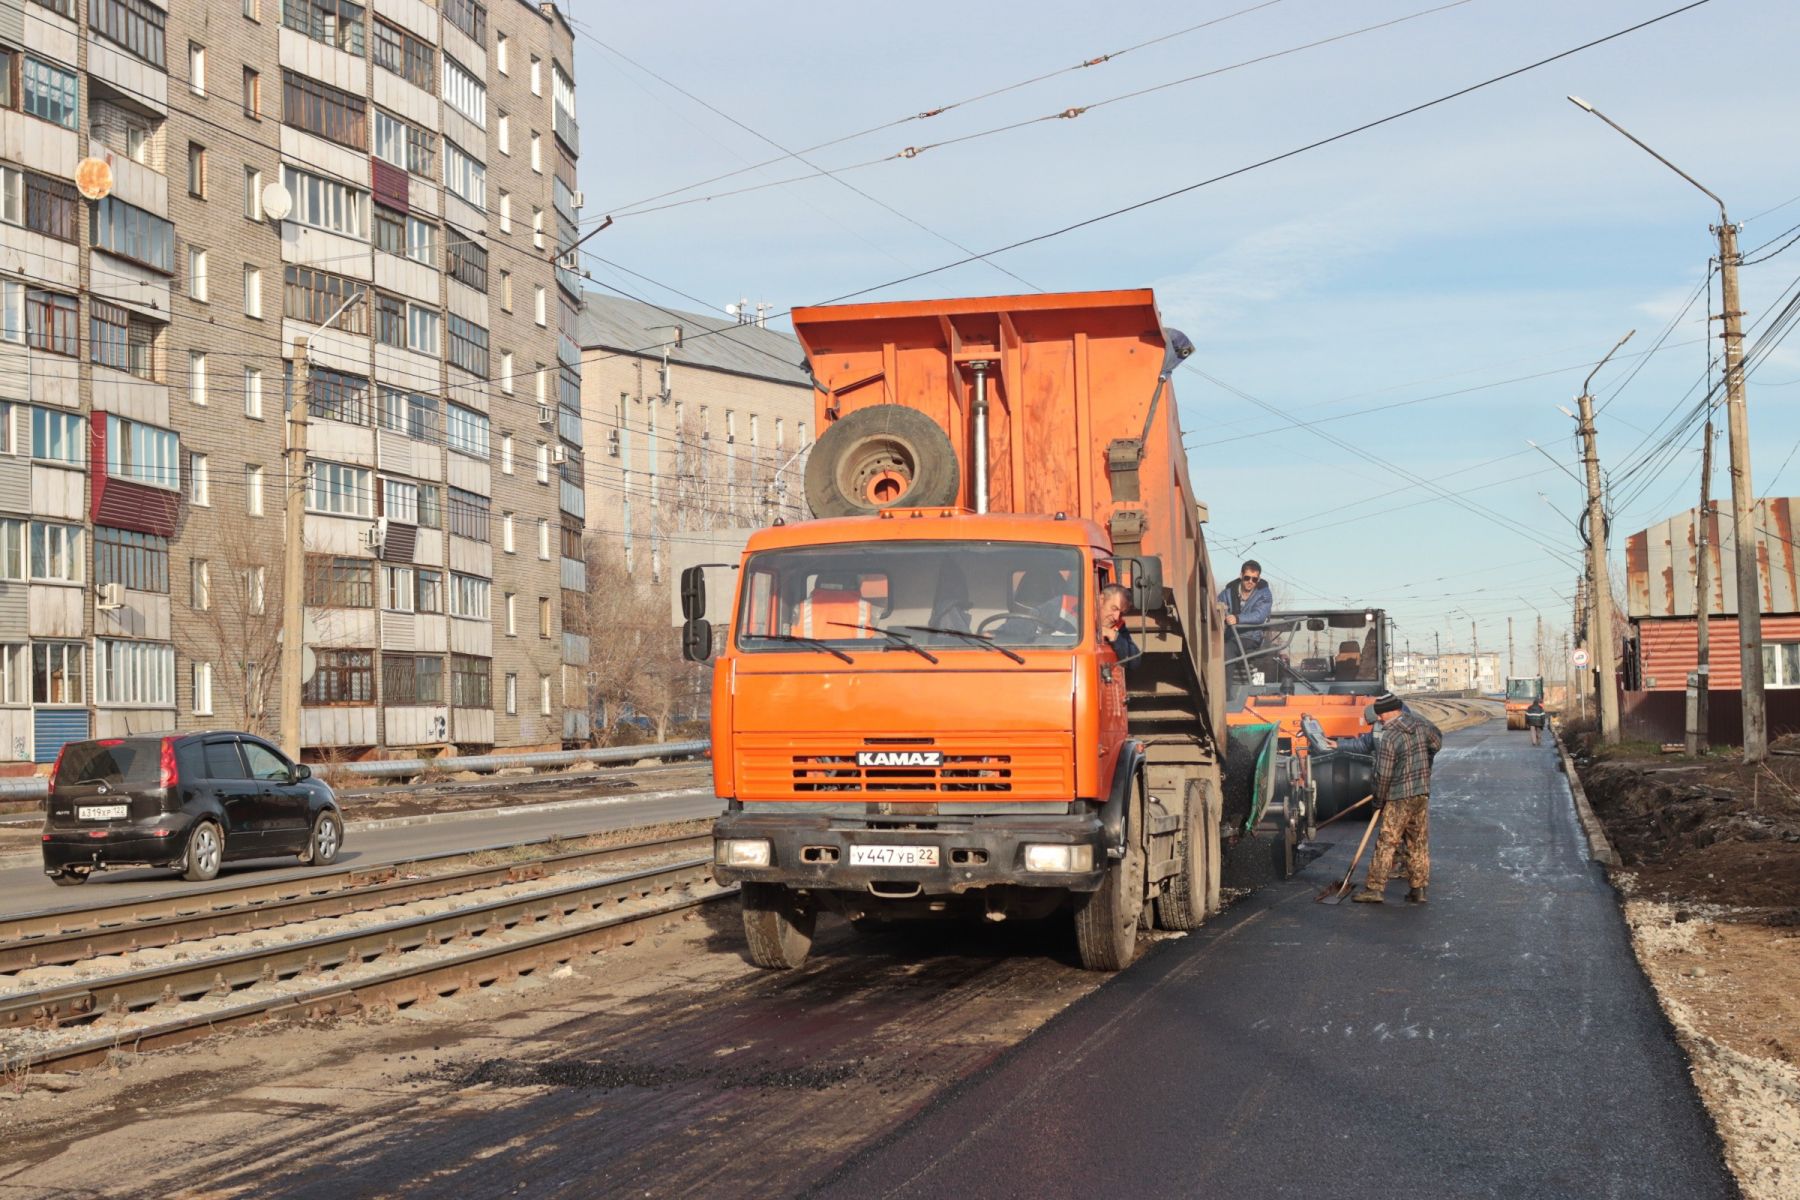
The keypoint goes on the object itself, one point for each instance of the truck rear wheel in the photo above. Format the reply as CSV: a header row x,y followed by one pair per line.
x,y
880,457
1185,902
778,925
1106,919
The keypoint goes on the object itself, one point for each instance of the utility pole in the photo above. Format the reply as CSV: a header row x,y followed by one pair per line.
x,y
1539,657
1699,736
1511,666
1597,565
1437,660
1474,658
1583,639
293,552
1743,495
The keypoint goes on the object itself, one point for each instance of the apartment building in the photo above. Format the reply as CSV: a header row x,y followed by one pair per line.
x,y
361,201
695,424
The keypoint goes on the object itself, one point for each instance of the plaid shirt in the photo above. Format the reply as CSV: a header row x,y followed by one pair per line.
x,y
1403,757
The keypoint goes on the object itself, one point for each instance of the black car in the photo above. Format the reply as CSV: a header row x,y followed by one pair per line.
x,y
190,801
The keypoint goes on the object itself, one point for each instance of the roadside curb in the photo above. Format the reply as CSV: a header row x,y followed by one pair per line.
x,y
19,859
1600,847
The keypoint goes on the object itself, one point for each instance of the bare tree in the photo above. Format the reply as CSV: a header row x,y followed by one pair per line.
x,y
235,627
634,654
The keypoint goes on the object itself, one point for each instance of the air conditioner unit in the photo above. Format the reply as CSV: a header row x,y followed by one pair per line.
x,y
109,596
376,535
578,200
559,454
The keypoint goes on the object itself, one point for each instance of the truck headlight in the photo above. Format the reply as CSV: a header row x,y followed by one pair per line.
x,y
742,852
1059,860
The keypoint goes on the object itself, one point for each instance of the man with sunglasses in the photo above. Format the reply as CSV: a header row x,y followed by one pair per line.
x,y
1247,602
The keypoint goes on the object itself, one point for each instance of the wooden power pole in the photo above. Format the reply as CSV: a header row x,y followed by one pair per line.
x,y
1699,735
1601,593
293,554
1511,666
1743,501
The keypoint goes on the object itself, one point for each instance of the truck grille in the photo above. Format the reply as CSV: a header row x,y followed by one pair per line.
x,y
960,773
1031,768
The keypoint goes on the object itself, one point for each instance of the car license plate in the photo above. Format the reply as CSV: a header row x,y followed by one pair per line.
x,y
893,856
103,812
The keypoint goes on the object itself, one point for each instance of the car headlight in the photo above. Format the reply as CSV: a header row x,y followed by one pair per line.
x,y
1060,859
742,852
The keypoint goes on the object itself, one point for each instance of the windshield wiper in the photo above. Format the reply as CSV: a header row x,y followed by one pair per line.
x,y
899,639
977,638
815,643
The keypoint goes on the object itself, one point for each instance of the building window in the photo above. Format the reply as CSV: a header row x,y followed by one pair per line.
x,y
338,397
431,591
400,501
197,274
506,366
503,130
431,506
253,490
468,514
464,92
545,623
543,462
202,682
131,232
338,490
506,300
408,413
253,291
467,430
512,605
197,377
253,187
13,535
336,23
134,673
57,436
404,145
512,694
253,10
1781,664
405,55
51,93
15,673
315,297
399,591
411,679
468,345
140,561
122,340
200,583
537,232
537,152
471,681
336,582
142,453
537,76
505,212
199,481
253,94
12,195
466,262
43,205
326,204
469,596
56,552
544,539
544,694
319,108
468,16
253,393
506,533
132,24
422,329
341,678
506,454
464,175
58,673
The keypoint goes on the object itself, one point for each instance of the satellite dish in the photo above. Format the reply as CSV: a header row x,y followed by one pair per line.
x,y
94,178
309,664
277,202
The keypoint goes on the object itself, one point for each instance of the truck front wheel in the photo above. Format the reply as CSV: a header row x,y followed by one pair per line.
x,y
778,925
1106,920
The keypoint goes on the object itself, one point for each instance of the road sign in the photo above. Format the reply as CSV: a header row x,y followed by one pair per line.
x,y
1581,658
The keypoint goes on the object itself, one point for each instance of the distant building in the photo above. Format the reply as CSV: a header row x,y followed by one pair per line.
x,y
693,424
1466,672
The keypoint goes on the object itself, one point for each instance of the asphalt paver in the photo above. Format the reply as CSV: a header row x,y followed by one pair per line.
x,y
1499,1041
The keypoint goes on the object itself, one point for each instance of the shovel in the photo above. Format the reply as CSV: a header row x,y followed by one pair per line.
x,y
1335,893
1345,813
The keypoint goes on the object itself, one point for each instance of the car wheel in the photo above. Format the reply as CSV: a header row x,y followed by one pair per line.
x,y
327,840
69,878
205,851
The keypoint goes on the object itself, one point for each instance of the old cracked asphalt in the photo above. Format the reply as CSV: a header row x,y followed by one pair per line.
x,y
1499,1042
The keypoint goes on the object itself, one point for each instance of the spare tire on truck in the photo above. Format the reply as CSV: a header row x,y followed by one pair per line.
x,y
883,456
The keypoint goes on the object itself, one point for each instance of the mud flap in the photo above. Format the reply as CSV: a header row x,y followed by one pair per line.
x,y
1259,831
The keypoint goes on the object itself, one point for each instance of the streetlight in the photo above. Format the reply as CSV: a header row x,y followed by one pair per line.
x,y
1743,495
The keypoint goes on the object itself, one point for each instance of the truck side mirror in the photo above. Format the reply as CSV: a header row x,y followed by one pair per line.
x,y
693,593
1146,584
696,637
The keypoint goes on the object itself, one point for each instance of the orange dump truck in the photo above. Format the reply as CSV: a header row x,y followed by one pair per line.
x,y
914,711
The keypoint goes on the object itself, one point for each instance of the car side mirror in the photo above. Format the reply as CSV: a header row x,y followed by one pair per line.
x,y
302,771
696,638
1146,583
693,593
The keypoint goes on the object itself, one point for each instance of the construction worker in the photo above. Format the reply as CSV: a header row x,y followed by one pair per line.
x,y
1247,602
1402,793
1115,602
1535,717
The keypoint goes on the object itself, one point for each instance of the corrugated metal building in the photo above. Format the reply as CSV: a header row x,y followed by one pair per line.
x,y
1662,605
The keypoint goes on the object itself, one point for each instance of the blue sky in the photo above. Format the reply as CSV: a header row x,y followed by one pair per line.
x,y
1502,235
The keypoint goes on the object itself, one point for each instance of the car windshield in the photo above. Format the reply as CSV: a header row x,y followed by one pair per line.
x,y
933,593
116,762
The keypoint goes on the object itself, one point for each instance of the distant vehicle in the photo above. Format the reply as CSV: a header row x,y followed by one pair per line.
x,y
1521,691
189,801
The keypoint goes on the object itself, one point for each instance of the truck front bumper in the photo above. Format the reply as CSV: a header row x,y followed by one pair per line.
x,y
974,852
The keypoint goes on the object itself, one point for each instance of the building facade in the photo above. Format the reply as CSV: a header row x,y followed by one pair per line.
x,y
694,424
354,205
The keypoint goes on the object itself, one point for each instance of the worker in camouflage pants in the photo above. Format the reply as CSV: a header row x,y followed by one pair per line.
x,y
1402,797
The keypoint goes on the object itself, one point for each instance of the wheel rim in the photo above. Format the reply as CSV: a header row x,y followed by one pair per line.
x,y
878,471
206,849
328,838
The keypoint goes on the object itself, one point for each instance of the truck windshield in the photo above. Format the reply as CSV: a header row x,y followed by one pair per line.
x,y
845,595
1525,689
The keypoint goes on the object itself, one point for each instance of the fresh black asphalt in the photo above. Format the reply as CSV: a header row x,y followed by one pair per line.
x,y
1499,1042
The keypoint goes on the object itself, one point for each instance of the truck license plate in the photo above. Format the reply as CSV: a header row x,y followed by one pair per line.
x,y
893,856
102,812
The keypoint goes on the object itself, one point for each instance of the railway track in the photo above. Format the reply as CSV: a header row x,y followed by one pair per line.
x,y
393,964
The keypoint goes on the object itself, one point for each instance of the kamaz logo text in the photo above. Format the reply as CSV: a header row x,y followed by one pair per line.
x,y
899,758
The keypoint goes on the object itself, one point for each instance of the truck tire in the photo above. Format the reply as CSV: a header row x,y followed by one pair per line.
x,y
778,926
1183,902
879,457
1106,919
